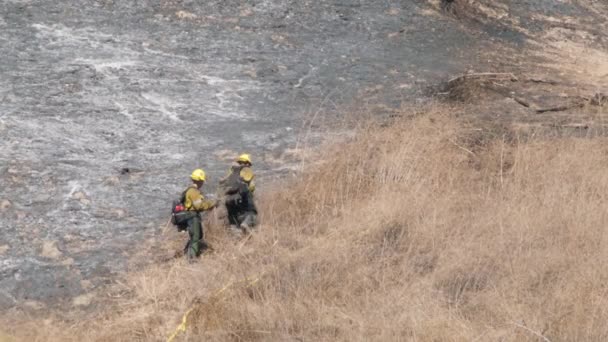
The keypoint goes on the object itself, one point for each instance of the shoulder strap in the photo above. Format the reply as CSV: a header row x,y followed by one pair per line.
x,y
183,197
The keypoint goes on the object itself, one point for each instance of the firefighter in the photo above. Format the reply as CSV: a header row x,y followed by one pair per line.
x,y
238,188
196,202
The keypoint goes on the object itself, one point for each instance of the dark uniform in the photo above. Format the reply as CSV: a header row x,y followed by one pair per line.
x,y
238,188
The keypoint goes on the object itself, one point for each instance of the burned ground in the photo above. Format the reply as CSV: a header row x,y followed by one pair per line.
x,y
156,88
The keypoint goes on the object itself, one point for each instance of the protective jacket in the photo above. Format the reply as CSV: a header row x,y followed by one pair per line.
x,y
194,200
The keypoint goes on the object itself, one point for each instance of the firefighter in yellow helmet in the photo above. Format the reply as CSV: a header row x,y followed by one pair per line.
x,y
244,164
194,201
238,188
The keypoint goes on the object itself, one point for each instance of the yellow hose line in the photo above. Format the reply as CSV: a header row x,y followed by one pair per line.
x,y
182,327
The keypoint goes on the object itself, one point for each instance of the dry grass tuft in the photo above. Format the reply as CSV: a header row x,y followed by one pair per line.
x,y
423,230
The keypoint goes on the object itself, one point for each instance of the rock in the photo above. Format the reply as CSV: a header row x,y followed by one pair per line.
x,y
5,205
82,197
86,284
50,250
83,300
67,262
185,15
118,212
246,12
112,181
4,249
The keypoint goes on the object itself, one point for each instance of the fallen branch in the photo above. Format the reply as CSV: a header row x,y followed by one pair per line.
x,y
560,108
540,80
503,75
574,126
521,101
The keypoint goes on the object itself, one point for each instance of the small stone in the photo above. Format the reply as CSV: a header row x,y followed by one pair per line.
x,y
79,195
5,205
246,12
185,15
118,212
86,284
50,250
67,262
83,300
112,180
82,197
4,249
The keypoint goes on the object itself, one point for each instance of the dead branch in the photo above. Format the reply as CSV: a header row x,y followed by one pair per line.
x,y
560,108
541,80
490,75
521,101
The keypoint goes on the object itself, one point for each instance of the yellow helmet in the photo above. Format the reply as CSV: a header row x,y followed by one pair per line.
x,y
198,175
244,158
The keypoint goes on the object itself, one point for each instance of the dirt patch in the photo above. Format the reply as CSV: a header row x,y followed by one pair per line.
x,y
50,250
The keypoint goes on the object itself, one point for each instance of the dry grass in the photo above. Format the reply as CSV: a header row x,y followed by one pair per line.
x,y
424,230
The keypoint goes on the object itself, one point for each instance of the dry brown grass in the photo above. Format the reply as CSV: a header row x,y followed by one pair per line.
x,y
426,230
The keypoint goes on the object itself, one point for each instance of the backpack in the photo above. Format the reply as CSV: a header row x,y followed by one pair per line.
x,y
233,184
179,215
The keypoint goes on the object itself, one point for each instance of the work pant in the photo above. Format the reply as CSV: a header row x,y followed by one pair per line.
x,y
233,214
196,243
248,218
238,216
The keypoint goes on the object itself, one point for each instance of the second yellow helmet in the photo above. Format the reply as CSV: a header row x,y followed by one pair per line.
x,y
244,158
198,175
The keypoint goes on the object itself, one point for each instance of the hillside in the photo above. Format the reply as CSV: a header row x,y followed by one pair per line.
x,y
463,203
425,230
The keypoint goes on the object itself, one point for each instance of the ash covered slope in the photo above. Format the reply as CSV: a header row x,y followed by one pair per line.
x,y
90,89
